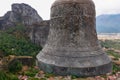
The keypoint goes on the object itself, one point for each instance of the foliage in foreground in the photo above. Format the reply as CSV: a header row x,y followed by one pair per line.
x,y
33,79
7,76
31,72
116,68
3,76
15,66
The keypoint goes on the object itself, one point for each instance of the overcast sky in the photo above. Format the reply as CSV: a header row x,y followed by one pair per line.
x,y
43,6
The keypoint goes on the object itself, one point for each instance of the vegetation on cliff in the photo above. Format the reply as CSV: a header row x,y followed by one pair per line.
x,y
15,42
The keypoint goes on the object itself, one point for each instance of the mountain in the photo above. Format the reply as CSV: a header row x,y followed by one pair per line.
x,y
108,23
20,14
24,18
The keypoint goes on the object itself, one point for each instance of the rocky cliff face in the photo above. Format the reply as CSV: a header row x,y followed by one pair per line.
x,y
25,14
21,13
37,29
7,20
39,33
1,21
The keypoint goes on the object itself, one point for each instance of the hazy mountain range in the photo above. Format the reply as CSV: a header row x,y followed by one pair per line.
x,y
108,23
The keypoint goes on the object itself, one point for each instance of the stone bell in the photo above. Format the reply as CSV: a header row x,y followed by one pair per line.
x,y
72,47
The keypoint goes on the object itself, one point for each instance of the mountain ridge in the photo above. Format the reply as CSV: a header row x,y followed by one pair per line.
x,y
108,23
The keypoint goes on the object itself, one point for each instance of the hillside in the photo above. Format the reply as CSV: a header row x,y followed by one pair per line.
x,y
108,23
20,13
15,42
35,27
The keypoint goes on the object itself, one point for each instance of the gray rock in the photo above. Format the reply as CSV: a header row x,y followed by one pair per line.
x,y
1,21
25,14
8,20
21,13
37,29
39,33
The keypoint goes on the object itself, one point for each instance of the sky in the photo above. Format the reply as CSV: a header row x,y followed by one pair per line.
x,y
43,6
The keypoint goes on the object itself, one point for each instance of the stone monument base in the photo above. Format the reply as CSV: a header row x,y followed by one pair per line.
x,y
81,67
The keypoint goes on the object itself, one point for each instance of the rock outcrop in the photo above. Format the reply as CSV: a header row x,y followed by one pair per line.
x,y
8,20
37,29
40,32
21,13
26,14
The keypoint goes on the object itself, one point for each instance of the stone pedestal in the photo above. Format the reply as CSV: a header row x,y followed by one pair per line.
x,y
72,47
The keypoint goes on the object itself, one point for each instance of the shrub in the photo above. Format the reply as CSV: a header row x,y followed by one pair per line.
x,y
13,77
15,66
48,75
12,45
43,79
33,79
31,72
111,44
115,68
3,76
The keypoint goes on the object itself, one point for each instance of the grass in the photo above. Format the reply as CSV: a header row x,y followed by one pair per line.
x,y
113,53
111,44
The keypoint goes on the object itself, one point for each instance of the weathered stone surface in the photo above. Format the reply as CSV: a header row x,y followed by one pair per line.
x,y
7,21
72,47
21,13
26,15
39,33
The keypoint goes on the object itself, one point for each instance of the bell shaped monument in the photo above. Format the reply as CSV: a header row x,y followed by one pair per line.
x,y
72,47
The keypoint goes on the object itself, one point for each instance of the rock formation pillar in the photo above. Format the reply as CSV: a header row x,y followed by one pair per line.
x,y
72,47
